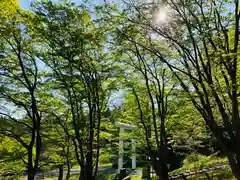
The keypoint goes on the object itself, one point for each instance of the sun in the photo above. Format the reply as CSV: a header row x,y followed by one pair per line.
x,y
161,15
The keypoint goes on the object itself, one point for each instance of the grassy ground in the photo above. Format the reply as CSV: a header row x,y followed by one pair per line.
x,y
111,177
100,166
73,177
136,177
188,165
225,174
202,163
105,165
205,162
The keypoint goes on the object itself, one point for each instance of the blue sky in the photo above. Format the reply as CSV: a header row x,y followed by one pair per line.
x,y
25,4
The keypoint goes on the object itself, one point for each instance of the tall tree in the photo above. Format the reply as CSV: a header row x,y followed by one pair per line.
x,y
148,76
205,36
20,79
74,50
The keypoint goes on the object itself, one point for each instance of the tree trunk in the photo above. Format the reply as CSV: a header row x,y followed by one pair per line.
x,y
82,174
86,171
68,162
148,172
161,170
235,168
68,172
89,169
31,171
31,175
164,172
68,169
60,175
98,139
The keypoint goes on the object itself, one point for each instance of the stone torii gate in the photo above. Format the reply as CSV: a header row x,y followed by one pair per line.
x,y
122,127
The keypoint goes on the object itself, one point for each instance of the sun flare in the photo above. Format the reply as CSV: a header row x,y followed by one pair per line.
x,y
161,15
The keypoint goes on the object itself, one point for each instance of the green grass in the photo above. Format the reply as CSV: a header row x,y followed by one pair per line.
x,y
100,166
136,177
106,176
105,165
72,177
139,168
202,162
225,174
198,162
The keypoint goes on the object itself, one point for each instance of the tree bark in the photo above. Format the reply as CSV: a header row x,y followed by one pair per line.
x,y
235,168
68,163
31,175
60,175
160,163
98,134
89,168
31,171
82,174
161,170
68,172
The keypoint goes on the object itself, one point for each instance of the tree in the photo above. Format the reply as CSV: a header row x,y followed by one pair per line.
x,y
74,51
204,35
62,63
12,153
20,78
147,76
8,9
58,149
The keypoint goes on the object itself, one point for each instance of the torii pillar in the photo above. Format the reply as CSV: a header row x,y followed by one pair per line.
x,y
122,127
